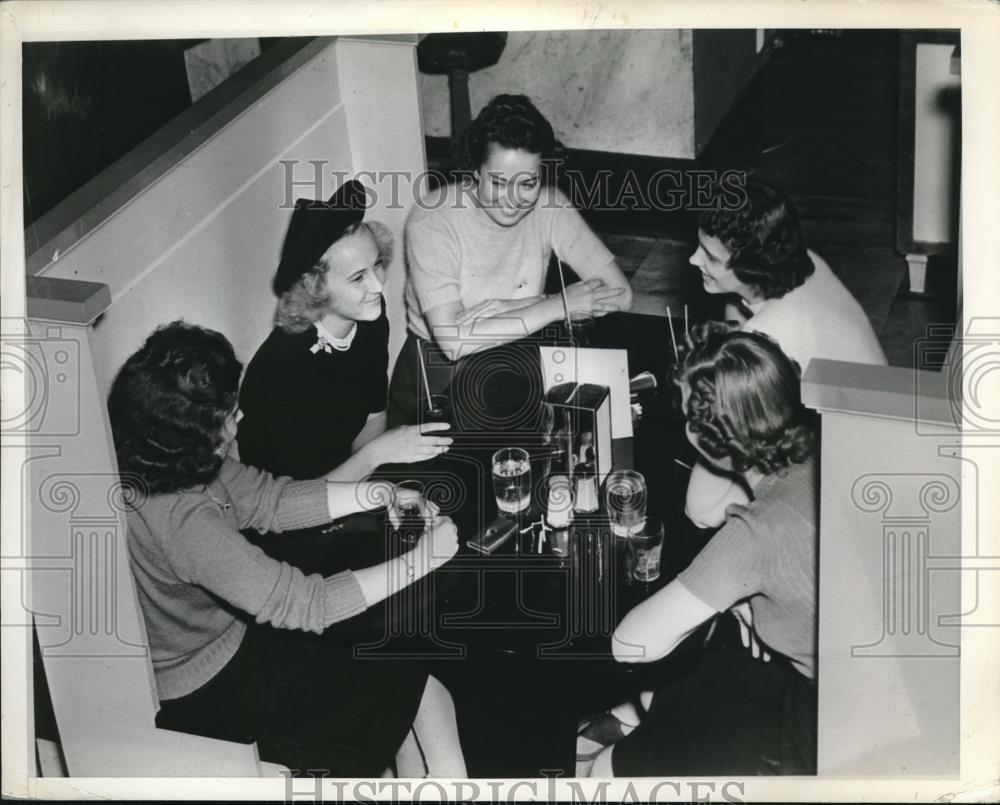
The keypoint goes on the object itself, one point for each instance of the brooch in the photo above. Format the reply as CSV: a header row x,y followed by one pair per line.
x,y
321,344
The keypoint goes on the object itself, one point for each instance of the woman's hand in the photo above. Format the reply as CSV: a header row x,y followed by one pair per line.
x,y
593,297
489,308
744,615
438,543
406,445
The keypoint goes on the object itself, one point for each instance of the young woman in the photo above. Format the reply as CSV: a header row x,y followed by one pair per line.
x,y
235,635
314,395
757,253
477,253
735,714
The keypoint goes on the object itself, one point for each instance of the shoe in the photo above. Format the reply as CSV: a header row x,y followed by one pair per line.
x,y
605,729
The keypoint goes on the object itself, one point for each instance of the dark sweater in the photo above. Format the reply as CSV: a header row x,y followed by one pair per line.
x,y
302,409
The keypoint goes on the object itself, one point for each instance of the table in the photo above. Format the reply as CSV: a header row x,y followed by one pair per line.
x,y
522,640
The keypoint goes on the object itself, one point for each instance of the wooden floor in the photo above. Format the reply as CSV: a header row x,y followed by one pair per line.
x,y
828,138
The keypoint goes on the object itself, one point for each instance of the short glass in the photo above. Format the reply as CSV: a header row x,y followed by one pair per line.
x,y
625,500
512,480
437,408
582,325
559,514
646,544
408,510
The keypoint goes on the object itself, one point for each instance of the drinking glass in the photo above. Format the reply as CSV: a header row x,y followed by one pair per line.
x,y
408,510
559,514
625,500
646,543
512,480
582,325
437,408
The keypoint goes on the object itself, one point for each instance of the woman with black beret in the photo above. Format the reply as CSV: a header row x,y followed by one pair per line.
x,y
314,395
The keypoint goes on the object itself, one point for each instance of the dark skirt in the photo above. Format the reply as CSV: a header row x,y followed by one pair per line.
x,y
732,715
307,702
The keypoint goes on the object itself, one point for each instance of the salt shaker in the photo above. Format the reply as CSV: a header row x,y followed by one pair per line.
x,y
559,516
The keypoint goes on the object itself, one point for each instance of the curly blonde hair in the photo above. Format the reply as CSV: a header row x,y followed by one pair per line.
x,y
744,399
308,300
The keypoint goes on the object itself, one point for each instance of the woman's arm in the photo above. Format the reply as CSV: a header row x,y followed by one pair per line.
x,y
459,332
436,546
205,550
710,493
655,628
612,277
375,426
579,246
360,464
457,339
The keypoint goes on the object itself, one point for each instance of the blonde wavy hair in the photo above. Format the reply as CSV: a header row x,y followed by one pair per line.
x,y
307,301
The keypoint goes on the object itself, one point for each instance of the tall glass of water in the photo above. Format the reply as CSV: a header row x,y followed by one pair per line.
x,y
625,500
512,480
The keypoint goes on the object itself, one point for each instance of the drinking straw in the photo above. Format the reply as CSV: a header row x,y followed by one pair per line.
x,y
562,288
686,321
673,338
423,373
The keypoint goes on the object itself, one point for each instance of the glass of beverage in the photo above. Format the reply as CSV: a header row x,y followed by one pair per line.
x,y
582,328
512,480
646,543
408,511
559,514
625,500
437,408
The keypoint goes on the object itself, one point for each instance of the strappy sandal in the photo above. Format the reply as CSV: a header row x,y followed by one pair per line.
x,y
604,729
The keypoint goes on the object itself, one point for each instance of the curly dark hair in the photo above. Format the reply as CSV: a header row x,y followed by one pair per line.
x,y
511,121
168,406
768,249
744,399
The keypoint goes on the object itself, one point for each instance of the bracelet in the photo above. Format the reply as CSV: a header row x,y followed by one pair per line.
x,y
410,570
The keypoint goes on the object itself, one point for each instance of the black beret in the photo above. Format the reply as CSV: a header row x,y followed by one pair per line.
x,y
314,227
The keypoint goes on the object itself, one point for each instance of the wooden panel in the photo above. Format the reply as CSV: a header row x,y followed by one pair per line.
x,y
889,581
200,242
88,207
383,114
71,301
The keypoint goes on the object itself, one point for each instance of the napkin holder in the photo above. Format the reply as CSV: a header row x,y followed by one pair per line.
x,y
578,427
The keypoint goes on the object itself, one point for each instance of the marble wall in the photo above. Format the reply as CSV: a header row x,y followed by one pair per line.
x,y
607,90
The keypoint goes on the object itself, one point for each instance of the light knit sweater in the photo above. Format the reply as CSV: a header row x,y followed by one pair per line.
x,y
767,554
456,253
818,319
195,573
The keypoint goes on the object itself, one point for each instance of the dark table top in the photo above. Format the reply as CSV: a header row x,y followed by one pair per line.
x,y
522,639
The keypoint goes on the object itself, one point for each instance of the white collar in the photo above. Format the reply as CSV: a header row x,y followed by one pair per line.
x,y
327,341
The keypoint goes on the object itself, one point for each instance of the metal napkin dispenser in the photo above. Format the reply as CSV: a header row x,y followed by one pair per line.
x,y
578,427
